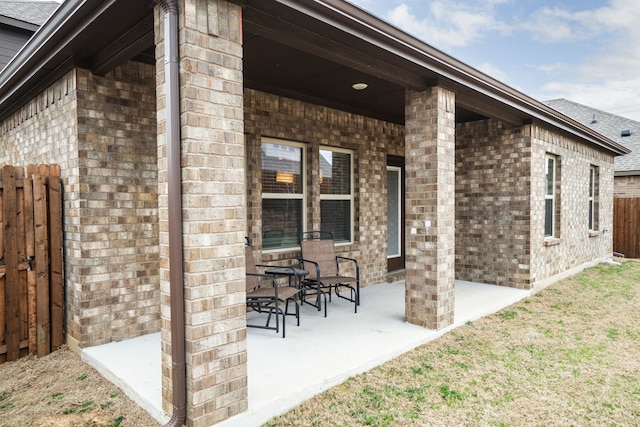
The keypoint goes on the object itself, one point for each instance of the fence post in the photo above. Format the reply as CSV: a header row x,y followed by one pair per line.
x,y
12,288
42,266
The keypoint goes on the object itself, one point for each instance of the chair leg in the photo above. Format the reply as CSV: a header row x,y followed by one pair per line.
x,y
354,297
325,304
354,294
297,314
284,321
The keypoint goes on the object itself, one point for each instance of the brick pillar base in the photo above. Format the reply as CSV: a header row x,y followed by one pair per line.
x,y
430,212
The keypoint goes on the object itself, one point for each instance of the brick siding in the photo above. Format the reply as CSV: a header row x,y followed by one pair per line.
x,y
108,135
101,131
370,139
575,246
116,223
627,186
500,205
493,176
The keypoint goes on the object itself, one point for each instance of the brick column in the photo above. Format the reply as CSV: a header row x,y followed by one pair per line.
x,y
212,144
430,207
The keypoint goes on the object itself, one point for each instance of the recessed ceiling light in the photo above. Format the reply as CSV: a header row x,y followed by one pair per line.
x,y
359,86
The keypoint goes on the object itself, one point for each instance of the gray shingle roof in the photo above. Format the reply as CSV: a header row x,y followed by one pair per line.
x,y
32,12
609,125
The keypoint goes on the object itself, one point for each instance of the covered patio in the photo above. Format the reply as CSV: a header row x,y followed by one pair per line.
x,y
319,354
157,118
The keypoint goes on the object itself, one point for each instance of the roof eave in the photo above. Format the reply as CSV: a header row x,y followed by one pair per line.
x,y
627,173
357,21
17,23
66,22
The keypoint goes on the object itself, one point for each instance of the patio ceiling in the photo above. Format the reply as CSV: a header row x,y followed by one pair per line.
x,y
290,53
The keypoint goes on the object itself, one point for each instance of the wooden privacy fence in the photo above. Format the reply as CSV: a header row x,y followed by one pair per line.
x,y
626,226
31,278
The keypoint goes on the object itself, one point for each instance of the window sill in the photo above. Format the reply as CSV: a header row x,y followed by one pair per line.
x,y
552,241
277,254
594,233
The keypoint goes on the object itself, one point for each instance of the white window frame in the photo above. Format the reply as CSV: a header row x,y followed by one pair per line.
x,y
593,197
551,196
397,169
351,196
289,196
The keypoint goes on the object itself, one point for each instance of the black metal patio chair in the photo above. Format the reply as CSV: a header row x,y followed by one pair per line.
x,y
319,258
265,295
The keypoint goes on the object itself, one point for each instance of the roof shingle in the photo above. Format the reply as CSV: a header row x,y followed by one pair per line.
x,y
609,125
32,12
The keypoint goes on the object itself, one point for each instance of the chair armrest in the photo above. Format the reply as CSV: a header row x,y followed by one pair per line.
x,y
278,270
273,266
269,265
348,259
353,261
278,267
265,276
274,282
302,261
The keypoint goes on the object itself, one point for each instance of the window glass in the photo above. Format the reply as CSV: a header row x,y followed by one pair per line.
x,y
336,217
551,169
281,168
335,172
593,198
549,206
336,193
281,223
394,214
282,193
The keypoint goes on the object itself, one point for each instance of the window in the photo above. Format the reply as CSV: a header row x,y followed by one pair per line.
x,y
336,192
593,197
394,211
550,195
283,192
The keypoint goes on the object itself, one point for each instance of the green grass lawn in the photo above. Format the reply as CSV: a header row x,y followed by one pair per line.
x,y
566,356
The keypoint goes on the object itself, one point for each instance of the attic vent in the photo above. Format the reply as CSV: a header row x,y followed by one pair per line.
x,y
594,119
625,133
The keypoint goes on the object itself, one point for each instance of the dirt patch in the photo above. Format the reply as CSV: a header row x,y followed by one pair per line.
x,y
62,391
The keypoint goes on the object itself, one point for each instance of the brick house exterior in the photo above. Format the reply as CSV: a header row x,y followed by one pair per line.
x,y
105,142
626,180
476,179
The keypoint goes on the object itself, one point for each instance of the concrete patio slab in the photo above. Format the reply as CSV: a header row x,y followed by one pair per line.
x,y
317,355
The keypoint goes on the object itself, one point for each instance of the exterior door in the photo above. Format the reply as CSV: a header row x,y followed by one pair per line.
x,y
395,213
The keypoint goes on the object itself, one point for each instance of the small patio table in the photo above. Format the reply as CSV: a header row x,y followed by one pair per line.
x,y
290,272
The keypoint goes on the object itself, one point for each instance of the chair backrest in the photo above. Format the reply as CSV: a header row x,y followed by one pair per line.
x,y
252,281
321,251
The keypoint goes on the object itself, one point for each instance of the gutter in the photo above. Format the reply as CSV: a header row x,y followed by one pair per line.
x,y
174,194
